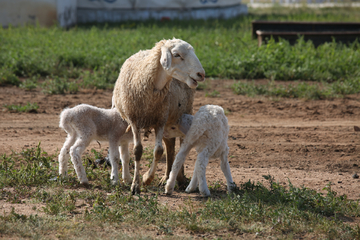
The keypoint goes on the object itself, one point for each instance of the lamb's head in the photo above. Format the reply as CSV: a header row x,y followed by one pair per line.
x,y
180,129
179,60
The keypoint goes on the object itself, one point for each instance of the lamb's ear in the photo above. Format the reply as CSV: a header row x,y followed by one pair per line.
x,y
165,59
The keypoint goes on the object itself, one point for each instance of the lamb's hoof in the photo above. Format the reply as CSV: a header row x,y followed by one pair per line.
x,y
147,179
114,182
205,193
168,192
135,189
127,181
85,184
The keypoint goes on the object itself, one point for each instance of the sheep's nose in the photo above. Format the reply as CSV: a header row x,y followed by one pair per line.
x,y
201,76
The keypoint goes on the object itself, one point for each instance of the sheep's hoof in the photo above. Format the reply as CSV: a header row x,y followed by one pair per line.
x,y
163,180
147,178
135,188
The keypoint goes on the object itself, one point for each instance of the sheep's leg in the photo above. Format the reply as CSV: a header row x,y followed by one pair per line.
x,y
75,153
179,161
193,183
114,160
200,167
170,156
225,167
125,160
138,150
158,152
64,154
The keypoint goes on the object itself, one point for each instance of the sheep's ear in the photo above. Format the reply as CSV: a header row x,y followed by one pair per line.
x,y
165,59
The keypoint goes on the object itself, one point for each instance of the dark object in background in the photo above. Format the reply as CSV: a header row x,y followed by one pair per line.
x,y
317,32
101,161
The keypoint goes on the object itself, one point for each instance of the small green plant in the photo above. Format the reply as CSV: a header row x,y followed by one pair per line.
x,y
7,77
203,85
59,86
213,94
29,108
30,83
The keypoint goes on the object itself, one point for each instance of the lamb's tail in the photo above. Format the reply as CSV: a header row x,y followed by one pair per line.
x,y
193,135
65,119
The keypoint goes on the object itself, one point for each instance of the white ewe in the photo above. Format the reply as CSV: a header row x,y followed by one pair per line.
x,y
207,131
141,93
85,123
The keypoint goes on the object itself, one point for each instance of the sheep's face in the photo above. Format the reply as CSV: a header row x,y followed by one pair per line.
x,y
179,60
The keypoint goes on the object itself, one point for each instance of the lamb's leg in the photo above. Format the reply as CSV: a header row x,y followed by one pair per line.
x,y
158,152
125,160
114,160
200,166
64,154
138,150
75,153
193,183
225,167
181,179
179,161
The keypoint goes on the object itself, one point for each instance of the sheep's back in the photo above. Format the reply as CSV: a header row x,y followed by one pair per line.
x,y
134,94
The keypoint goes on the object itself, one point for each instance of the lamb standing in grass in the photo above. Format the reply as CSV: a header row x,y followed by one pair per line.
x,y
141,93
85,123
208,131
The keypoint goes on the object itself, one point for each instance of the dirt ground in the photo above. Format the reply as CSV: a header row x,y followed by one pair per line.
x,y
311,143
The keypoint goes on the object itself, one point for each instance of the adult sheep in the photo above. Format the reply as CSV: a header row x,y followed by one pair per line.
x,y
141,93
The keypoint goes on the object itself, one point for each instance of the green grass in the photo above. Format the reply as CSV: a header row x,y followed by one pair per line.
x,y
29,107
304,90
68,211
91,55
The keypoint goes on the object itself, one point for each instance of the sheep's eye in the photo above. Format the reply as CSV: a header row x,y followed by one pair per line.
x,y
176,55
173,128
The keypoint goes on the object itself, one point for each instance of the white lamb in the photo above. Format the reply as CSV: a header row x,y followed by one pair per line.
x,y
208,131
85,123
141,93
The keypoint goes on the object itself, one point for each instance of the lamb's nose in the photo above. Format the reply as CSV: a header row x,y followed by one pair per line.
x,y
201,75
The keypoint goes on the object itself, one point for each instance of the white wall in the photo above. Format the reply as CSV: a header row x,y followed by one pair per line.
x,y
43,12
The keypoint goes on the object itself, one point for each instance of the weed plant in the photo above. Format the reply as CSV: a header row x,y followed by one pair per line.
x,y
29,107
91,55
268,209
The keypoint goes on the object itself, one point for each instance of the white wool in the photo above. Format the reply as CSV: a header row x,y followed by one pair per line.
x,y
85,123
141,93
207,131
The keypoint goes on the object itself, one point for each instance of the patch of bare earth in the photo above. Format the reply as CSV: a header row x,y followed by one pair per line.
x,y
310,143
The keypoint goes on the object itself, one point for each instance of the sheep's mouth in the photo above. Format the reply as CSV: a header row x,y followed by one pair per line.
x,y
194,81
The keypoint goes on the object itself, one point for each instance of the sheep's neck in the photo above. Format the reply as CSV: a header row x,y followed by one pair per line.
x,y
162,79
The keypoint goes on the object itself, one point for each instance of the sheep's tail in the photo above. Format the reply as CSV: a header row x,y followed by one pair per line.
x,y
65,119
128,129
